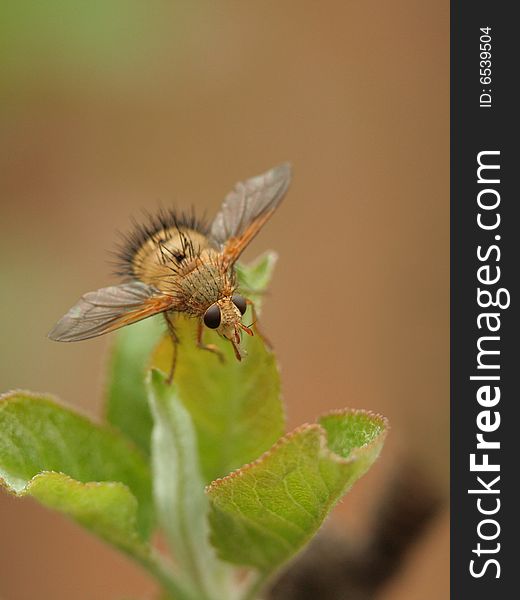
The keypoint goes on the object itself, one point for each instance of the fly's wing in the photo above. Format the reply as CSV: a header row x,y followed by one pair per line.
x,y
246,209
107,309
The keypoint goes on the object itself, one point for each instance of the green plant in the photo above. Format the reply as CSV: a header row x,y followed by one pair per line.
x,y
205,460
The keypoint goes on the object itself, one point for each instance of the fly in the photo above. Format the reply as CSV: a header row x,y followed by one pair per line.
x,y
176,264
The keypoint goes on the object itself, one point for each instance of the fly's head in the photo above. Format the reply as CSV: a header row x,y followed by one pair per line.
x,y
225,316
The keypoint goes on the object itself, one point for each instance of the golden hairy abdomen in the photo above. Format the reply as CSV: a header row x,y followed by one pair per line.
x,y
163,253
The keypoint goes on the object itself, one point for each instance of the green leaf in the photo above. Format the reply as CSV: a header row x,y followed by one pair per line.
x,y
265,512
181,503
68,463
107,509
235,406
127,404
254,278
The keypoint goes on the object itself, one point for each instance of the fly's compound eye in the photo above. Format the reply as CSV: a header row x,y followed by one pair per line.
x,y
212,316
240,302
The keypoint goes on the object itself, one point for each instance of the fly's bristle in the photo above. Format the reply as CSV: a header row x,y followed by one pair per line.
x,y
134,240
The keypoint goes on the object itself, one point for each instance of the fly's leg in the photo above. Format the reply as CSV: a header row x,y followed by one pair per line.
x,y
175,343
209,347
255,324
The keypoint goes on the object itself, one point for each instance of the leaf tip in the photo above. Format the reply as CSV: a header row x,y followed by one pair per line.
x,y
376,417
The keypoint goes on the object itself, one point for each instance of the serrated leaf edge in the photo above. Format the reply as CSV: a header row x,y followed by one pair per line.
x,y
353,456
26,490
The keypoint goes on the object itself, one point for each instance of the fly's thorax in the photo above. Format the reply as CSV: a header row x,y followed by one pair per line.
x,y
203,283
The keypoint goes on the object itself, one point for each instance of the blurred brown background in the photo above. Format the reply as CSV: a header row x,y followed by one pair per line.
x,y
110,107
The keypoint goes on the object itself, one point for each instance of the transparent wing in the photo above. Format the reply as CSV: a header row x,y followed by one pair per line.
x,y
107,309
246,209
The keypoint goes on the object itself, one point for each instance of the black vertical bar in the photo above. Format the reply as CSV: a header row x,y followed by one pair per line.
x,y
481,123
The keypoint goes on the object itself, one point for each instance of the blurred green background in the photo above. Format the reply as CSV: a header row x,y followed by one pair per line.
x,y
110,107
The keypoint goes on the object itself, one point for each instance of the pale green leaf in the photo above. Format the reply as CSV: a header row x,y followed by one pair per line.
x,y
41,442
265,512
181,503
